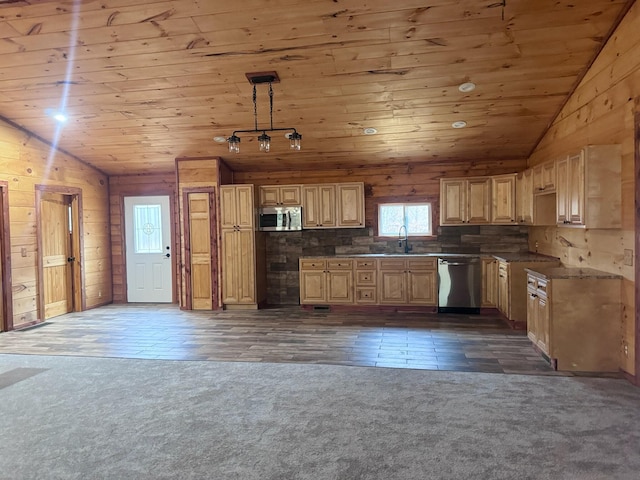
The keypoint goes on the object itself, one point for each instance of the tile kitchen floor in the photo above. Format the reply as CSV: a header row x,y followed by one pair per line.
x,y
469,343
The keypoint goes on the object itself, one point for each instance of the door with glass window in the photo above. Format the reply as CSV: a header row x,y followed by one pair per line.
x,y
148,249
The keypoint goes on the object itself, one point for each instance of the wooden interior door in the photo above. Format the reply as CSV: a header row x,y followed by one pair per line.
x,y
57,257
200,210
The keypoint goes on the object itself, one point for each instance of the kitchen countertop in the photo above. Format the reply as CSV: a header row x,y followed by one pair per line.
x,y
525,257
570,273
508,257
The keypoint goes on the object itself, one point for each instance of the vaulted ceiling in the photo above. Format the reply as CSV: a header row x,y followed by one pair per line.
x,y
144,82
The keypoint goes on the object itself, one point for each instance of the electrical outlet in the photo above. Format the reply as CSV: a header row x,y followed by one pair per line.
x,y
626,350
99,293
23,251
628,257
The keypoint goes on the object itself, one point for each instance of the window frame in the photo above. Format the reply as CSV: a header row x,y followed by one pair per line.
x,y
406,202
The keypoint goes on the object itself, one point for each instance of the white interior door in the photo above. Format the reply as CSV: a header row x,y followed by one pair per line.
x,y
148,249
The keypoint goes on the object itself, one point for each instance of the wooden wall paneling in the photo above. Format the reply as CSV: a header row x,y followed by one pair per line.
x,y
32,162
121,186
6,293
635,354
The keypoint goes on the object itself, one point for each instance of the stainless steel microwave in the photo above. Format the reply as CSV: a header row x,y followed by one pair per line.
x,y
280,219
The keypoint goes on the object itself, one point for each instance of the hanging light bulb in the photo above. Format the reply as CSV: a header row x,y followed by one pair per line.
x,y
265,142
294,140
234,143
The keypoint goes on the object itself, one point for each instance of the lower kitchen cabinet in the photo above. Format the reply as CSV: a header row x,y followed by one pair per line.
x,y
408,281
512,287
489,282
326,281
366,278
574,317
378,281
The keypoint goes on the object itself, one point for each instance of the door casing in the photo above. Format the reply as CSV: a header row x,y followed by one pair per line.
x,y
74,195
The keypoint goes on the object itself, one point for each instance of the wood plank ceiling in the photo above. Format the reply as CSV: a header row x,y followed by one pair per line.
x,y
145,82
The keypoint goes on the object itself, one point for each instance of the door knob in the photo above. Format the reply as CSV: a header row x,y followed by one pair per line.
x,y
168,255
71,259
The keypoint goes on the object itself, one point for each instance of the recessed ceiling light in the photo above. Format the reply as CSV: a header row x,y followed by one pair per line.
x,y
459,124
60,117
467,87
219,139
370,131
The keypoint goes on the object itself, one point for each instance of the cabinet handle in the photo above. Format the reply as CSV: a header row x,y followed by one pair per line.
x,y
533,295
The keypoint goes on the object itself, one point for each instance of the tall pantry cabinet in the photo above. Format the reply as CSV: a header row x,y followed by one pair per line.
x,y
243,249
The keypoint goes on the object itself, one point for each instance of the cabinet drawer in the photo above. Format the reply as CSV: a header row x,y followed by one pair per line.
x,y
366,277
542,287
532,282
366,295
310,264
421,264
365,264
340,264
392,264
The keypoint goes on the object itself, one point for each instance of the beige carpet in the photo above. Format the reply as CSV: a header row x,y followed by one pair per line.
x,y
100,418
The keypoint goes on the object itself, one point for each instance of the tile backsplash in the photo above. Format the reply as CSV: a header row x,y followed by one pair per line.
x,y
285,248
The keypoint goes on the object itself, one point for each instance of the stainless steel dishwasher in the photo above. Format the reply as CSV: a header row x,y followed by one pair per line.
x,y
459,284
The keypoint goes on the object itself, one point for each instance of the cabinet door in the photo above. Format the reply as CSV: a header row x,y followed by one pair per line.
x,y
478,206
230,267
327,205
489,282
575,203
503,192
503,289
392,287
422,287
453,198
246,282
310,207
350,199
228,206
244,206
524,194
542,316
312,287
532,316
562,193
340,286
289,195
549,176
538,179
269,196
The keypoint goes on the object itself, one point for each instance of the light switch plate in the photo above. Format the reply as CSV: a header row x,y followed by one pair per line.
x,y
628,257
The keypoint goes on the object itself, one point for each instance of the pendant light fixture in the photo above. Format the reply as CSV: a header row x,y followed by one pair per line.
x,y
264,140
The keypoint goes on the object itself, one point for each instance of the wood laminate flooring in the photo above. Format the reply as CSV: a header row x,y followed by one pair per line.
x,y
288,334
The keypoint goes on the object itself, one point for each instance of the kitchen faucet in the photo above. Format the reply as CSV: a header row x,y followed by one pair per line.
x,y
407,247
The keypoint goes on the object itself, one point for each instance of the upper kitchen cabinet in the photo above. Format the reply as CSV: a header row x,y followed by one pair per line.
x,y
544,178
237,206
588,189
319,206
350,202
339,205
524,200
280,195
503,195
465,200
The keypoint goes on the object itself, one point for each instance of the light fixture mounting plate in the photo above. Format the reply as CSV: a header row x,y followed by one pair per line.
x,y
256,78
